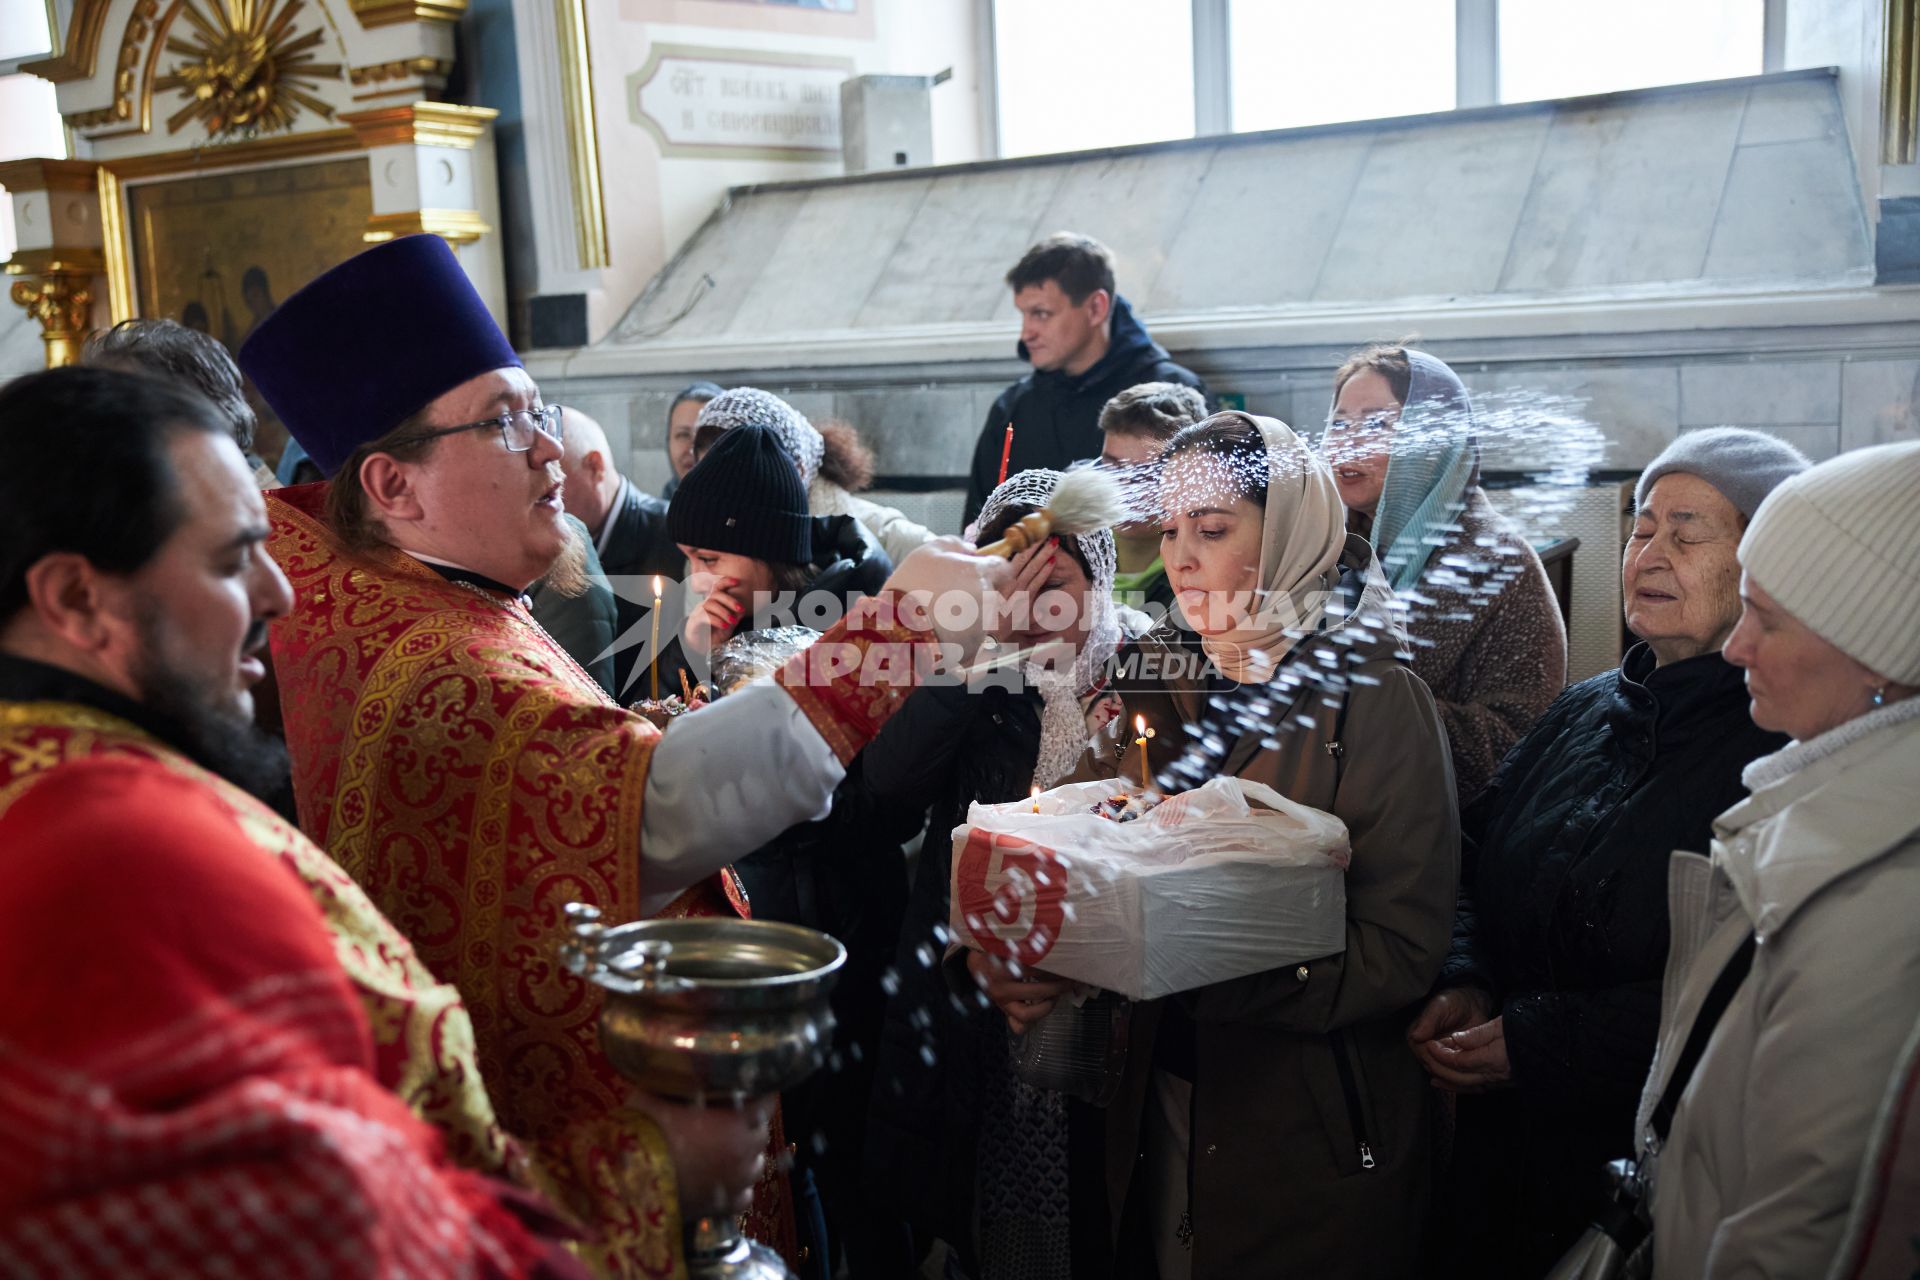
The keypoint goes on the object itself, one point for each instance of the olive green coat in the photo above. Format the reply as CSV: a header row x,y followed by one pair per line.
x,y
1281,1187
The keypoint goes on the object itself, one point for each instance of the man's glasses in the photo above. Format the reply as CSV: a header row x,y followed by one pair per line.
x,y
516,428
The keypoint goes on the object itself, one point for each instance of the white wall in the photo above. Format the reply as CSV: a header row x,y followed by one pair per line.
x,y
1850,35
21,350
655,203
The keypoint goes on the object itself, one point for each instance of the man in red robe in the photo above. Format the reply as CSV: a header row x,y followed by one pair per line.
x,y
212,1049
464,770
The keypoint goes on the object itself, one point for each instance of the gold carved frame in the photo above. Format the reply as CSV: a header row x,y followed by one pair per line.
x,y
114,175
1900,85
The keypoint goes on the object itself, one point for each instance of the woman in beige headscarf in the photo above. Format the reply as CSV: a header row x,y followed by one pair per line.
x,y
1274,1125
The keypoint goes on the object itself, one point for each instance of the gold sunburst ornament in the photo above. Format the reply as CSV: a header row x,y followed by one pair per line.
x,y
244,71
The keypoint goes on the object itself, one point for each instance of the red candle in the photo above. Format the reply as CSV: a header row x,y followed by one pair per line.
x,y
1006,455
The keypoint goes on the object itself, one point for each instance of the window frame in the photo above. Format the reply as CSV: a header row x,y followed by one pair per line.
x,y
1476,53
11,66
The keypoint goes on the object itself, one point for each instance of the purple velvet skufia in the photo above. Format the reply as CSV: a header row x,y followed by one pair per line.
x,y
364,346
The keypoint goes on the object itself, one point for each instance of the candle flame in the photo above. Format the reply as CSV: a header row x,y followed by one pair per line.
x,y
1140,725
656,587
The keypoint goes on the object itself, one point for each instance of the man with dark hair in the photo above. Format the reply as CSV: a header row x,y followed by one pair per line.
x,y
1134,426
135,596
188,356
107,475
1085,346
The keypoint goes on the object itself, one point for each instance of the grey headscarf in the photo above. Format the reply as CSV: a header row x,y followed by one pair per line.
x,y
1433,460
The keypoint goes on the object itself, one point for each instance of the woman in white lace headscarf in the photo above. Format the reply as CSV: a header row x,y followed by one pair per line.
x,y
834,464
1067,619
955,1143
1067,598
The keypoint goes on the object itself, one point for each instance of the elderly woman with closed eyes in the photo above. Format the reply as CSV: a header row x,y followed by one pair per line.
x,y
1544,1022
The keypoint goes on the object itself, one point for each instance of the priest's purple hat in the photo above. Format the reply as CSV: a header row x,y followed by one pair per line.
x,y
371,342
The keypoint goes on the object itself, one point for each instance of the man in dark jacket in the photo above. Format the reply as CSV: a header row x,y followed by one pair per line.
x,y
627,528
1550,996
1135,426
1085,347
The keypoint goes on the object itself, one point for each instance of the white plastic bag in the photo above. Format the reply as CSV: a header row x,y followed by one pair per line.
x,y
1228,879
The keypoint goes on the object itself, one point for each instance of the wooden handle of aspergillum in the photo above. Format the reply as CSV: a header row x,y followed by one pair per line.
x,y
1018,537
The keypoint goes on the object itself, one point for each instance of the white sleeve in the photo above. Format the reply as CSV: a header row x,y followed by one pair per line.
x,y
726,780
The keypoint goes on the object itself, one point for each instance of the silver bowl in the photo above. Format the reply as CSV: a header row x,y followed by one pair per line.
x,y
709,1008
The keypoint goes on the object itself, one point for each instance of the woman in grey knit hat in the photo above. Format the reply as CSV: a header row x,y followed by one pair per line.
x,y
1551,993
1820,868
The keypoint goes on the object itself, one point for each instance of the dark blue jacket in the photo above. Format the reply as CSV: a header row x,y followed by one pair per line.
x,y
1056,416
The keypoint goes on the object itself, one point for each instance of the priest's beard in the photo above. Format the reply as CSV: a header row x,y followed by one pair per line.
x,y
202,719
568,574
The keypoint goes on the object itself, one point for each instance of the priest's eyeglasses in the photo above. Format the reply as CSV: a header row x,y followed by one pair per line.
x,y
516,428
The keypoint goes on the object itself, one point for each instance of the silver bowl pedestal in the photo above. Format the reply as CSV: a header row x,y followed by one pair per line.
x,y
714,1011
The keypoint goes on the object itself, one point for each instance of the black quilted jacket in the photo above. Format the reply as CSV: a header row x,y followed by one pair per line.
x,y
1564,920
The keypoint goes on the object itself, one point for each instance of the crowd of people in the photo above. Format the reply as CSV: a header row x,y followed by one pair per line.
x,y
296,781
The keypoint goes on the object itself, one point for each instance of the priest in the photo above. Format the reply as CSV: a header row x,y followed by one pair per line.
x,y
467,774
207,1030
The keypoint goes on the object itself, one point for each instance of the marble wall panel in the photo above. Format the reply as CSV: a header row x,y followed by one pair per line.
x,y
914,431
609,405
1791,210
1635,407
649,469
1637,190
950,262
1792,112
1307,406
647,415
939,511
1135,205
985,394
1818,440
816,404
1434,210
1625,191
831,256
1261,223
1879,402
733,250
1760,393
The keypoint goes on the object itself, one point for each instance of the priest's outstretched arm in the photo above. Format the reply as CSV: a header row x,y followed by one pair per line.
x,y
728,780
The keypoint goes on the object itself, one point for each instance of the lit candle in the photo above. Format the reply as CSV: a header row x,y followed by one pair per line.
x,y
1036,799
654,675
1140,727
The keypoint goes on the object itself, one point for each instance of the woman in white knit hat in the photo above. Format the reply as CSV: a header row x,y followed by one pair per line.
x,y
1820,867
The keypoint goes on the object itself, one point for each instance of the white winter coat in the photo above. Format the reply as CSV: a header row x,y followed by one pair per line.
x,y
1822,861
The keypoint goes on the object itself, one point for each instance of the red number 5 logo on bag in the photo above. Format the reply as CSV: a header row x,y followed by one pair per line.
x,y
1012,895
